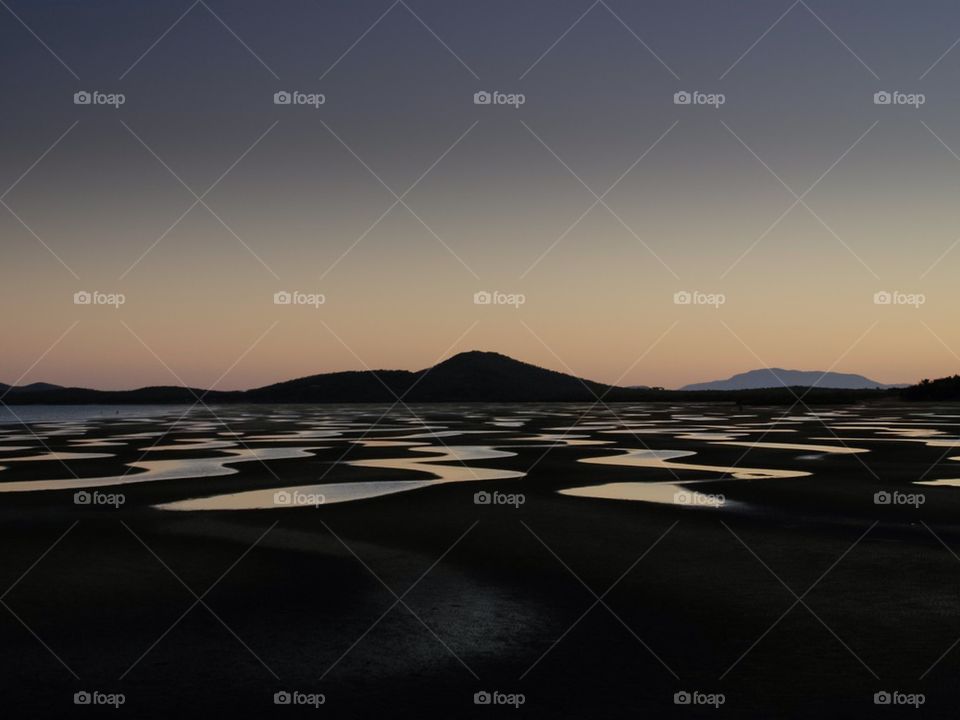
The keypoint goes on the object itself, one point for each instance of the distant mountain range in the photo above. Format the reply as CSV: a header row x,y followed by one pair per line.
x,y
32,387
473,377
466,377
778,377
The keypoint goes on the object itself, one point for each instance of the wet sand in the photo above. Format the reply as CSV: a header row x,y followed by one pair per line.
x,y
291,609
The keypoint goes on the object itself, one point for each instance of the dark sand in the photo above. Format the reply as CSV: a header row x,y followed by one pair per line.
x,y
295,604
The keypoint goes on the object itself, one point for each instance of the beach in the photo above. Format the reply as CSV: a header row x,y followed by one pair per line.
x,y
798,597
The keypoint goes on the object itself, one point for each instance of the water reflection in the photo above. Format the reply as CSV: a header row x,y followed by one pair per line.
x,y
663,459
331,493
660,493
154,470
379,451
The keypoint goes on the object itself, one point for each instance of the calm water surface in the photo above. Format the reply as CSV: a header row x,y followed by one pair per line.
x,y
289,456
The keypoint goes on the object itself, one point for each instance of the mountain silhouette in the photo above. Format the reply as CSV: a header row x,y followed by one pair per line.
x,y
31,388
468,376
473,376
778,377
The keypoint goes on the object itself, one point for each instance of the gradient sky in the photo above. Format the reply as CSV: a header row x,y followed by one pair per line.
x,y
704,210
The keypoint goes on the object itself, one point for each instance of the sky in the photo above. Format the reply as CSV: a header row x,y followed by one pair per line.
x,y
786,217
